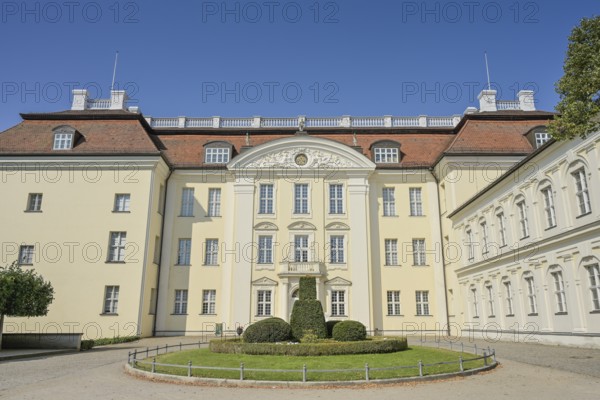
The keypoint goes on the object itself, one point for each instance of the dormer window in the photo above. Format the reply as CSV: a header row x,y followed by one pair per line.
x,y
386,152
541,138
538,136
217,153
64,137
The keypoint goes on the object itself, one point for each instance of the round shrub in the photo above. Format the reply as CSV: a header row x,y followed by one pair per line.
x,y
268,330
349,331
330,325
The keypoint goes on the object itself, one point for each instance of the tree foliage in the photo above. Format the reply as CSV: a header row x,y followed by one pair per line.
x,y
579,88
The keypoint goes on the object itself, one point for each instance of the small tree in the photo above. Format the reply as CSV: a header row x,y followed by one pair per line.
x,y
307,314
23,293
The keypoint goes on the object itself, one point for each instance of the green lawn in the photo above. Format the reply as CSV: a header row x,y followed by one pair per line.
x,y
411,356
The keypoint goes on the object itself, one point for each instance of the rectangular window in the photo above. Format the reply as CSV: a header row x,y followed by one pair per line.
x,y
470,244
214,202
301,198
301,248
418,247
337,249
209,299
541,138
111,300
549,207
389,202
265,199
116,250
422,302
490,295
26,253
484,237
391,251
184,252
393,302
523,224
211,252
501,228
63,141
187,202
509,298
416,204
263,303
583,195
122,202
531,295
265,249
157,250
216,155
153,298
336,199
594,271
559,292
34,202
386,155
338,303
181,301
474,303
161,199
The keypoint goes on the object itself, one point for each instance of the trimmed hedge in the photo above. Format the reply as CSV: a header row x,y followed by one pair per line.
x,y
89,343
349,331
268,330
86,345
307,315
330,325
372,346
307,289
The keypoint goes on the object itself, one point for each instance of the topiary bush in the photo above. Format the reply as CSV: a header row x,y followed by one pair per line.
x,y
307,314
307,288
330,325
268,330
349,331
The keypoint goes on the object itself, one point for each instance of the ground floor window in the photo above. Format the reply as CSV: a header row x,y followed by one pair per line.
x,y
422,297
209,299
111,300
338,303
263,303
181,299
393,302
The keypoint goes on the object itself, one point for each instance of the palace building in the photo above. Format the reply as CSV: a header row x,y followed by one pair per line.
x,y
476,224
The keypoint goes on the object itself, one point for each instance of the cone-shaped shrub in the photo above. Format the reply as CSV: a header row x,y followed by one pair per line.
x,y
307,314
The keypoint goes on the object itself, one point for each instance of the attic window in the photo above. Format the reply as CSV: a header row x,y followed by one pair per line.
x,y
386,152
217,152
541,138
64,137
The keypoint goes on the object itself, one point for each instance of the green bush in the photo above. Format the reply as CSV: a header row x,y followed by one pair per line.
x,y
115,340
330,325
268,330
309,337
349,331
308,288
86,344
308,315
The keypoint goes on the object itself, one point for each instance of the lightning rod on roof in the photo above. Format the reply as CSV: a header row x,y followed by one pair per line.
x,y
487,70
112,86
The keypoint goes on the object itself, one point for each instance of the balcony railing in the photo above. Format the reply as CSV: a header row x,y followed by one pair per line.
x,y
301,268
507,105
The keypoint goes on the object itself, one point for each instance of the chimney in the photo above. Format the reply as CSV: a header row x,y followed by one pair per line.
x,y
80,97
118,100
487,100
526,100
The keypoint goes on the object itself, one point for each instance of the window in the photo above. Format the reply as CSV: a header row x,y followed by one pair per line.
x,y
490,295
416,206
263,303
418,246
541,138
422,302
34,203
474,303
209,299
391,252
214,202
116,250
265,199
111,300
301,248
153,298
531,295
265,249
559,292
181,300
338,303
187,202
157,250
389,202
509,298
121,203
211,252
337,249
549,207
184,252
583,195
523,224
594,271
501,228
386,155
216,155
26,254
484,237
63,141
336,199
161,199
470,244
301,198
393,302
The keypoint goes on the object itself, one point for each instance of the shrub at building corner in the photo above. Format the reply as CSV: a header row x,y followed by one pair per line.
x,y
307,314
330,325
269,330
349,331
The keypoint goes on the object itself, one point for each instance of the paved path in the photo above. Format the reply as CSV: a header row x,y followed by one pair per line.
x,y
549,373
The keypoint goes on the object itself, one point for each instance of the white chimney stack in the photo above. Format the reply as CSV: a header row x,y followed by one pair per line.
x,y
487,100
118,99
80,98
526,100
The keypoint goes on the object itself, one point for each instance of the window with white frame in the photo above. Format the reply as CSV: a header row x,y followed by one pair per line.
x,y
336,249
34,202
181,301
531,299
209,300
301,198
214,202
422,297
111,300
509,297
26,253
265,249
594,274
541,138
523,223
336,198
211,252
122,202
416,203
301,248
187,202
470,244
386,155
559,292
393,302
501,228
116,248
582,192
474,303
184,252
418,248
490,295
216,155
389,202
391,251
263,303
484,237
63,141
549,207
338,303
265,198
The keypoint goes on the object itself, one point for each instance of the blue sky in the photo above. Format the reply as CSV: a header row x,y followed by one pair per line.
x,y
282,58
